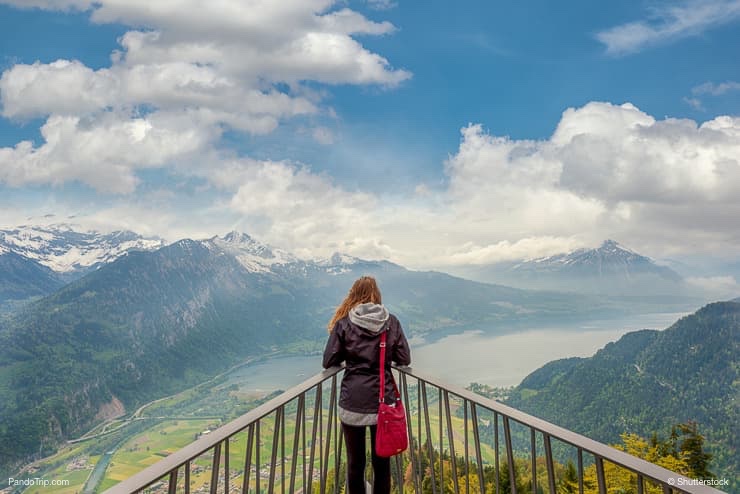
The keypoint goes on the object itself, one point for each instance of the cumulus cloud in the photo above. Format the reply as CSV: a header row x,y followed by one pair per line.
x,y
608,171
103,153
663,187
668,23
186,74
298,203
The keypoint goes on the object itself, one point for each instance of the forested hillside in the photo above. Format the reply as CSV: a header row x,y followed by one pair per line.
x,y
648,381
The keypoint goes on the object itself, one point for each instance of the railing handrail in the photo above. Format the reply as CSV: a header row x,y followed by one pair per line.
x,y
633,463
193,450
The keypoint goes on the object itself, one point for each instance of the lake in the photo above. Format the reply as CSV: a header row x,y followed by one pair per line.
x,y
473,356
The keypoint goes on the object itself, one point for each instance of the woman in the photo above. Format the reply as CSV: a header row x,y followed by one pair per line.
x,y
354,338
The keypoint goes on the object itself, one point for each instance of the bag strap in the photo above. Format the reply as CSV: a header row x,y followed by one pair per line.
x,y
382,370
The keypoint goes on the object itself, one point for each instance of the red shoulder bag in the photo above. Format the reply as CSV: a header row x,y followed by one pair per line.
x,y
391,437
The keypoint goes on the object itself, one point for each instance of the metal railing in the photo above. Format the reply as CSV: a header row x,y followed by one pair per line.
x,y
460,442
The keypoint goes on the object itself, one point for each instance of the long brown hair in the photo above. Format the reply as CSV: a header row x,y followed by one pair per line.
x,y
363,290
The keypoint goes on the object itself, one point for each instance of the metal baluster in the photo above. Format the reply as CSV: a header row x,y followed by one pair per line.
x,y
441,444
410,430
282,451
580,471
534,460
215,465
451,441
247,459
479,456
640,484
321,442
296,439
226,465
275,442
257,457
550,465
316,409
467,453
304,449
600,474
496,454
187,478
329,425
336,451
430,448
509,454
418,429
172,486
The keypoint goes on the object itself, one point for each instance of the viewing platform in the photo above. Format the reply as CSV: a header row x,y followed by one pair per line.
x,y
460,442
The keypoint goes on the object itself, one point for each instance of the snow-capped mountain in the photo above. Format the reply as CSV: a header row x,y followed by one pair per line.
x,y
255,256
610,259
70,252
339,263
611,268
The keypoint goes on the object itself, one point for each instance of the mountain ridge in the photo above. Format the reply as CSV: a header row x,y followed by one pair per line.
x,y
72,252
610,268
648,381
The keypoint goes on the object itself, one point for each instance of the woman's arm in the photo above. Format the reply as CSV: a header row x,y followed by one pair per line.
x,y
334,351
401,350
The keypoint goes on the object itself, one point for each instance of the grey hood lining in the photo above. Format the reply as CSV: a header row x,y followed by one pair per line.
x,y
372,317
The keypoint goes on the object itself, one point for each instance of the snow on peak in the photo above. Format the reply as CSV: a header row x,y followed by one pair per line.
x,y
338,259
252,254
614,246
236,237
66,250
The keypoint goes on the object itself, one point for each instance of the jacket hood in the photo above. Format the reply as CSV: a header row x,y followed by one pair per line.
x,y
369,316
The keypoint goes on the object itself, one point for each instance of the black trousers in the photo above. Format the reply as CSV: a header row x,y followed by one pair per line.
x,y
354,439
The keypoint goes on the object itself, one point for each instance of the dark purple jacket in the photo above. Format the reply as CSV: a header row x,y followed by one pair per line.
x,y
359,348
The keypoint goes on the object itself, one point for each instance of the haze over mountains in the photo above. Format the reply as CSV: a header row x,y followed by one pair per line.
x,y
609,269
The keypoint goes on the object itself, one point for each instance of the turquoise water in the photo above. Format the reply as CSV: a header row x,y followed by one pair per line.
x,y
505,360
473,356
275,373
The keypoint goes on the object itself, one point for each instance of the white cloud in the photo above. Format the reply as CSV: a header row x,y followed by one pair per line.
x,y
104,152
608,171
668,23
694,103
716,89
503,250
300,207
189,75
663,187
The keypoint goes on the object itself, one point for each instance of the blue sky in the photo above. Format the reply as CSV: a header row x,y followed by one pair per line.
x,y
429,133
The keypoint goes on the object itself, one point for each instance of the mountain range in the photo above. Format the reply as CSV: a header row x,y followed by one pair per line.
x,y
609,269
37,260
131,320
647,382
152,322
